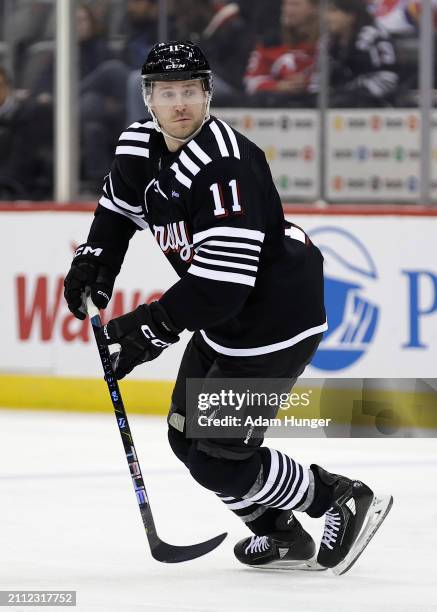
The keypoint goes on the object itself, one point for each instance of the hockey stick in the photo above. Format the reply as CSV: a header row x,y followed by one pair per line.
x,y
161,551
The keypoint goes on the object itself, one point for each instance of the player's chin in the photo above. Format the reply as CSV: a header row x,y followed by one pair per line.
x,y
182,129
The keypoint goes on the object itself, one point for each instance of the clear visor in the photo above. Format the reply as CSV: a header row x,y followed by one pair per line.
x,y
176,93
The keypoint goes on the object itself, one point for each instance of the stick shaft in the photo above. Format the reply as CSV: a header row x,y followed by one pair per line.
x,y
124,429
161,551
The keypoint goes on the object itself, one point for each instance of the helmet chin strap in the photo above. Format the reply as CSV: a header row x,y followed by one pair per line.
x,y
159,128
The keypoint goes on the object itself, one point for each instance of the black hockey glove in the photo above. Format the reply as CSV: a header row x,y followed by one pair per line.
x,y
94,266
142,334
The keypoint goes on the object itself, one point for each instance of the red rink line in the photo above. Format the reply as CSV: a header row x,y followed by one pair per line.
x,y
397,210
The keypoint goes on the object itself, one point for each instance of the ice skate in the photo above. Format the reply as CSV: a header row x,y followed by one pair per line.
x,y
288,548
350,522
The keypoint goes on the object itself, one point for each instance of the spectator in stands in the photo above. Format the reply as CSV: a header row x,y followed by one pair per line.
x,y
102,11
139,27
362,57
23,129
283,63
140,30
102,98
93,49
401,18
225,38
102,101
28,23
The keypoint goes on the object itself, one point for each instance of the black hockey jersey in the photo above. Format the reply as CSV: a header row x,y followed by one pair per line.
x,y
249,281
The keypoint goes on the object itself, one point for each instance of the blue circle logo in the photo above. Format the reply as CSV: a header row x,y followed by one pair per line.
x,y
350,277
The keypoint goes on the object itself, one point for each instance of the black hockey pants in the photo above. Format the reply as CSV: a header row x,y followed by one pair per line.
x,y
228,466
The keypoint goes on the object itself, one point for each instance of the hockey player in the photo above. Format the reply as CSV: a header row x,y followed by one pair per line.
x,y
207,194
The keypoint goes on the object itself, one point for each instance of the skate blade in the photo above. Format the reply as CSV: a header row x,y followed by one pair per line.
x,y
309,565
376,514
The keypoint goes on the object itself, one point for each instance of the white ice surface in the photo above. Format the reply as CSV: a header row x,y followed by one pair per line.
x,y
69,520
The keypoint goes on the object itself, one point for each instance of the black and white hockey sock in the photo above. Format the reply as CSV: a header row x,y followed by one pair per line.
x,y
282,483
288,486
259,519
245,509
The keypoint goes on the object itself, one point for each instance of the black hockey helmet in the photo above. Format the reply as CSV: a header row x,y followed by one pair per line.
x,y
176,61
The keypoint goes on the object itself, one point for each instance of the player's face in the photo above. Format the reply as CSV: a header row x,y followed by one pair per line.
x,y
179,106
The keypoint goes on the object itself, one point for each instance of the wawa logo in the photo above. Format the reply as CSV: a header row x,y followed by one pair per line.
x,y
42,313
173,237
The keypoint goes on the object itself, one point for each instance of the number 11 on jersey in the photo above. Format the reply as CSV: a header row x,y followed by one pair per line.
x,y
219,209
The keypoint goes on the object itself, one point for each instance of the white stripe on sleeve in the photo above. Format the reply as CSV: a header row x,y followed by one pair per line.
x,y
296,234
230,232
230,277
232,138
122,203
188,163
220,140
106,203
227,253
180,176
224,264
135,136
126,150
236,245
199,153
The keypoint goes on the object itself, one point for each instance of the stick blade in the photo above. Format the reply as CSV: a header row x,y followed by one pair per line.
x,y
167,553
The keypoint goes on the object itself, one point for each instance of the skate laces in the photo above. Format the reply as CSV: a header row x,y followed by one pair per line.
x,y
257,544
332,526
